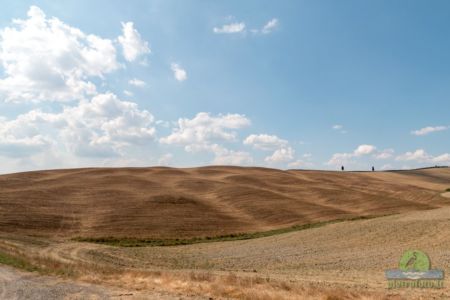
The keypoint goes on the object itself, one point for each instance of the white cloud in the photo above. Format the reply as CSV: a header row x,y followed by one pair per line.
x,y
103,126
428,130
339,128
202,133
418,155
106,121
128,93
133,46
385,154
364,150
421,156
11,146
340,159
281,155
443,158
229,157
205,129
136,82
270,26
178,72
346,158
265,141
46,59
230,28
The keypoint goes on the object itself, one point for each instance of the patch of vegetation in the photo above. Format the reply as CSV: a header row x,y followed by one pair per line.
x,y
142,242
16,262
447,190
41,265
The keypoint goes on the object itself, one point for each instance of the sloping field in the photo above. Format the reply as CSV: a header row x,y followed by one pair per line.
x,y
346,260
209,201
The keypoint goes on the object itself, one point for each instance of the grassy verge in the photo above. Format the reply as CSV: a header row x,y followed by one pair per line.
x,y
142,242
17,262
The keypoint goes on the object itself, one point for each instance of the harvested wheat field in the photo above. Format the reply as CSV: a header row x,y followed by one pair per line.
x,y
209,201
246,231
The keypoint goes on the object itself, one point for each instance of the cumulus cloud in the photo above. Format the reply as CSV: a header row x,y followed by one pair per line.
x,y
205,129
265,141
282,152
385,154
225,156
136,82
340,159
364,150
270,26
236,27
418,155
107,122
178,72
345,158
281,155
133,46
421,156
46,59
103,126
11,146
428,130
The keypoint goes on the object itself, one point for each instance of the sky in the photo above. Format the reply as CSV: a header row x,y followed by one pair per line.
x,y
291,84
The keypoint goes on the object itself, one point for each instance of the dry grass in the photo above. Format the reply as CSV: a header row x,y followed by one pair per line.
x,y
193,283
226,286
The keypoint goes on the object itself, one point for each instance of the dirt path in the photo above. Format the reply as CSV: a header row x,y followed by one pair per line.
x,y
15,284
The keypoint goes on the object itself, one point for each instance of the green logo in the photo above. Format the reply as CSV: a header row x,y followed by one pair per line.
x,y
415,272
414,260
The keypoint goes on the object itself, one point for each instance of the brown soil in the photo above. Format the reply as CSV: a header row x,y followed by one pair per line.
x,y
209,201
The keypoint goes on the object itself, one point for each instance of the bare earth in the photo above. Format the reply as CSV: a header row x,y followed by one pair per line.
x,y
346,260
208,201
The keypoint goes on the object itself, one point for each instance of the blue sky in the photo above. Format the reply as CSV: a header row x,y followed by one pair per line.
x,y
297,84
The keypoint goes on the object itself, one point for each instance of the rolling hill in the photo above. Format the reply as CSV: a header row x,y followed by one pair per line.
x,y
162,202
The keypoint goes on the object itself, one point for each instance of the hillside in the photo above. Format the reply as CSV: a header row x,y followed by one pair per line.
x,y
208,201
